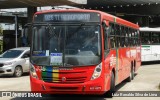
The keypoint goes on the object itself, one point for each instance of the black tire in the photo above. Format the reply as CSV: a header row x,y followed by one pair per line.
x,y
131,75
18,71
112,85
132,72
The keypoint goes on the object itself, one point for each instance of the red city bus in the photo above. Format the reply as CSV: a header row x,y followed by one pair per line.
x,y
82,51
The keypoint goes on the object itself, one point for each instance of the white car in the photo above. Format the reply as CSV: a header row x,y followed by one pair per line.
x,y
15,61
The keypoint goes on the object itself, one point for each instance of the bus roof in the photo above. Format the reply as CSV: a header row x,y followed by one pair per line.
x,y
120,21
148,29
109,17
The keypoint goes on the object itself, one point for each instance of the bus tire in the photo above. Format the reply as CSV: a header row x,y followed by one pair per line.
x,y
132,72
112,85
130,78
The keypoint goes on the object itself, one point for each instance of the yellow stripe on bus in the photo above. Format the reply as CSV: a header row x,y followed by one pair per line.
x,y
55,75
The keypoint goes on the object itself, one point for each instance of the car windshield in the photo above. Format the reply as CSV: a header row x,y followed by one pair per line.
x,y
70,45
11,53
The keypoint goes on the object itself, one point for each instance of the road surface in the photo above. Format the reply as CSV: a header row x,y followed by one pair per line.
x,y
147,79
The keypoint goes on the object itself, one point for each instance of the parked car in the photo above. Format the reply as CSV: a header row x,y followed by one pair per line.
x,y
15,61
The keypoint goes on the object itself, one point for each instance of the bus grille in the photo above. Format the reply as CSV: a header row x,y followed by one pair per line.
x,y
65,77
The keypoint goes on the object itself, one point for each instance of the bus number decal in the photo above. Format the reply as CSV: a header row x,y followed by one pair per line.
x,y
112,60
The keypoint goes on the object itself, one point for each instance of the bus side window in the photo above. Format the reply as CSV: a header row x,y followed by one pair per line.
x,y
112,36
130,37
118,43
126,37
133,38
117,28
146,38
112,29
142,37
122,36
112,41
155,38
139,39
136,38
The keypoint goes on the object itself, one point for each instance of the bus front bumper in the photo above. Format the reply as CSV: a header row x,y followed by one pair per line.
x,y
91,87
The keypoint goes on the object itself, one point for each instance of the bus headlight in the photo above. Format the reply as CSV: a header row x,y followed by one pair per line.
x,y
33,71
97,71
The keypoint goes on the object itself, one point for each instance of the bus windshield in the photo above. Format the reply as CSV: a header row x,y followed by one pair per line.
x,y
66,45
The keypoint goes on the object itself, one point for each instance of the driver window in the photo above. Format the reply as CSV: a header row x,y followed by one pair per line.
x,y
106,30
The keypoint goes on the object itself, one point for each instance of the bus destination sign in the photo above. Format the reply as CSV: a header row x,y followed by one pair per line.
x,y
67,17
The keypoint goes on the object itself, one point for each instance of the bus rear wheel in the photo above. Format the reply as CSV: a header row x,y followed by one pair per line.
x,y
131,75
132,72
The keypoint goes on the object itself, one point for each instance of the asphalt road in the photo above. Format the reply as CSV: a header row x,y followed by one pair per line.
x,y
147,79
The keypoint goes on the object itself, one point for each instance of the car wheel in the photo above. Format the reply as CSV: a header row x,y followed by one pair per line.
x,y
18,71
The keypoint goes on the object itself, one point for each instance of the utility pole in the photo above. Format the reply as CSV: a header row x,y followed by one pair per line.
x,y
16,28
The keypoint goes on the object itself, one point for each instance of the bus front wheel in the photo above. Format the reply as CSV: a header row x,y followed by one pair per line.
x,y
112,84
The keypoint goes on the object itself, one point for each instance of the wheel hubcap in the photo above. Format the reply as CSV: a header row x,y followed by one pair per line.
x,y
18,71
